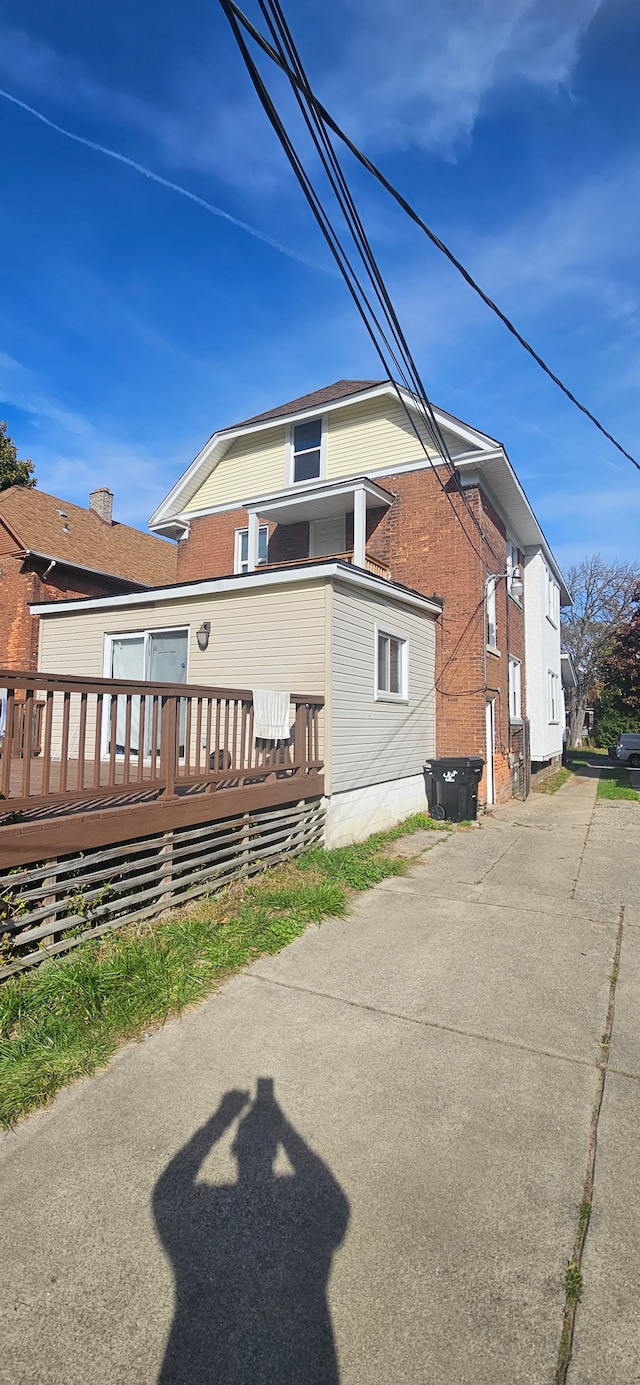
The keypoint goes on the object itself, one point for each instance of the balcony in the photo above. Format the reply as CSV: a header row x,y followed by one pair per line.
x,y
323,505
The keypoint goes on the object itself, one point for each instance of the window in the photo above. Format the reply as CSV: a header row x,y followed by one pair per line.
x,y
491,613
554,697
241,555
306,445
512,564
553,600
157,655
391,666
515,691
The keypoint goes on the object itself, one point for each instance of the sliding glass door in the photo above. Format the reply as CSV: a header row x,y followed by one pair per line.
x,y
158,656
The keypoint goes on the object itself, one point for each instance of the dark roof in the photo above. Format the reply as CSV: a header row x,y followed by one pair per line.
x,y
80,538
329,395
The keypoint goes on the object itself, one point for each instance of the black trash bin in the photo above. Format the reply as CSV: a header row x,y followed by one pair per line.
x,y
452,787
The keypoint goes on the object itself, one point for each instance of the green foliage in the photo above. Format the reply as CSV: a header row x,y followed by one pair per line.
x,y
64,1019
573,1282
613,716
554,782
13,472
615,783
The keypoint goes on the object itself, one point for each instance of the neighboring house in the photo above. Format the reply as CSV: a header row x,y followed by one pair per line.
x,y
342,472
51,550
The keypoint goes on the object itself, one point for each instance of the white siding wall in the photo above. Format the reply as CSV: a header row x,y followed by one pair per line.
x,y
374,742
542,646
252,466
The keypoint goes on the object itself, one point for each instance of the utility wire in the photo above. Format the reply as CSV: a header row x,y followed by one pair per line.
x,y
373,325
231,8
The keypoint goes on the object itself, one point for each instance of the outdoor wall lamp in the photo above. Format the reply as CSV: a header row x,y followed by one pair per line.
x,y
516,584
202,635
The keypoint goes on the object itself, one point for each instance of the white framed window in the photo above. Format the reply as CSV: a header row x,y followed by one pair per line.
x,y
515,690
554,696
492,635
553,600
392,667
241,548
306,451
157,656
513,562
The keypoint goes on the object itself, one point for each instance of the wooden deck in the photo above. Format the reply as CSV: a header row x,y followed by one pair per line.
x,y
85,763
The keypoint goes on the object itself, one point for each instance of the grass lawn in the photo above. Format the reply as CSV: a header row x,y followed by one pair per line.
x,y
554,782
65,1018
615,783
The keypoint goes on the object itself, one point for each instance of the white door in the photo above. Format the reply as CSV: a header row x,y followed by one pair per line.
x,y
491,748
167,663
327,536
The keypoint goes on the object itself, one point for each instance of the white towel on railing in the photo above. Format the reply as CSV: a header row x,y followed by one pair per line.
x,y
270,714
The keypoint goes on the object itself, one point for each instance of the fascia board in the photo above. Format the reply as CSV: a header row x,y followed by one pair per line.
x,y
300,494
248,581
500,460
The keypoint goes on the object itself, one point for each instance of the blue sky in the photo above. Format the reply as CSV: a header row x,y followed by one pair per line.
x,y
134,321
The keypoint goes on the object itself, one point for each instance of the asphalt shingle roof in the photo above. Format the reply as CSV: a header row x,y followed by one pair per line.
x,y
45,524
316,400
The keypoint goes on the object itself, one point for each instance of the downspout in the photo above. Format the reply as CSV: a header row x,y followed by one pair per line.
x,y
52,564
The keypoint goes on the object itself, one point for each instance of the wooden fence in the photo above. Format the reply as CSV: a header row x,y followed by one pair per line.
x,y
47,909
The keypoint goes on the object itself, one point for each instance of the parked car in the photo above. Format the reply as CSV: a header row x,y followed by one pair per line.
x,y
627,749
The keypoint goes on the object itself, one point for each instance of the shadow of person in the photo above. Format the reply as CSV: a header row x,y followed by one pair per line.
x,y
251,1259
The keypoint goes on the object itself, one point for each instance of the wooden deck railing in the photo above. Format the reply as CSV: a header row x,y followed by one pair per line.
x,y
88,740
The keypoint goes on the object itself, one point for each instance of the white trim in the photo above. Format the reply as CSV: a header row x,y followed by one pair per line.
x,y
312,490
237,546
515,686
290,454
490,738
272,578
383,694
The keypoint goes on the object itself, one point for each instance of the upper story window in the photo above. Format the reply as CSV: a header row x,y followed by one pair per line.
x,y
241,548
392,667
306,447
513,561
492,638
553,599
554,696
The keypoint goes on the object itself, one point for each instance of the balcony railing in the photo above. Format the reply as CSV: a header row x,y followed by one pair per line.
x,y
371,564
77,741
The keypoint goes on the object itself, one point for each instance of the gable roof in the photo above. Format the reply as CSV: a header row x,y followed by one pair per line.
x,y
341,389
46,526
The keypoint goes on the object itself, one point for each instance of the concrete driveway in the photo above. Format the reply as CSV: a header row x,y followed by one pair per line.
x,y
362,1160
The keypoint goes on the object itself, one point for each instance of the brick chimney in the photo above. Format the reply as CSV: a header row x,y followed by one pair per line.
x,y
101,500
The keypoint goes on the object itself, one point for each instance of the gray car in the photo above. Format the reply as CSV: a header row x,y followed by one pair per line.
x,y
627,749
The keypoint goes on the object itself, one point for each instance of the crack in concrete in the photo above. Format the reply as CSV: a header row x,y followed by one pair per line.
x,y
426,1023
574,1267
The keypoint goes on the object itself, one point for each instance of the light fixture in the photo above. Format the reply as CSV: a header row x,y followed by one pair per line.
x,y
516,585
202,635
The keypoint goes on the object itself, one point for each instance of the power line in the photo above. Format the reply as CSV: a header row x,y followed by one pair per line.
x,y
297,81
379,331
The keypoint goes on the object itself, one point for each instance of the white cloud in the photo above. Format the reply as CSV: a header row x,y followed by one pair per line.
x,y
419,74
72,455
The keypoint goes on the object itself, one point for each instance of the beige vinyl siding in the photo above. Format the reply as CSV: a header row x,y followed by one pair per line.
x,y
272,638
252,466
360,440
375,433
375,741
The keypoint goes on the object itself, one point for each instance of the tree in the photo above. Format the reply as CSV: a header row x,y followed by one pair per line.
x,y
621,664
603,603
13,472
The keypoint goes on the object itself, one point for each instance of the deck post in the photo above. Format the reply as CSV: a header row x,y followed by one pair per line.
x,y
253,541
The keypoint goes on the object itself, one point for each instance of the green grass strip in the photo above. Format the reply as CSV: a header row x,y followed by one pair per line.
x,y
554,782
615,783
65,1019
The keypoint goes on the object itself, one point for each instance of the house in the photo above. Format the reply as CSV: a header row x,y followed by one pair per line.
x,y
323,546
349,470
51,550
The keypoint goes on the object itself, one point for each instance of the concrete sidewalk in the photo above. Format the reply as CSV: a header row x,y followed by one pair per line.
x,y
434,1066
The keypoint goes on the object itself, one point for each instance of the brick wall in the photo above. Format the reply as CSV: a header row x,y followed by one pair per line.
x,y
422,540
20,584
